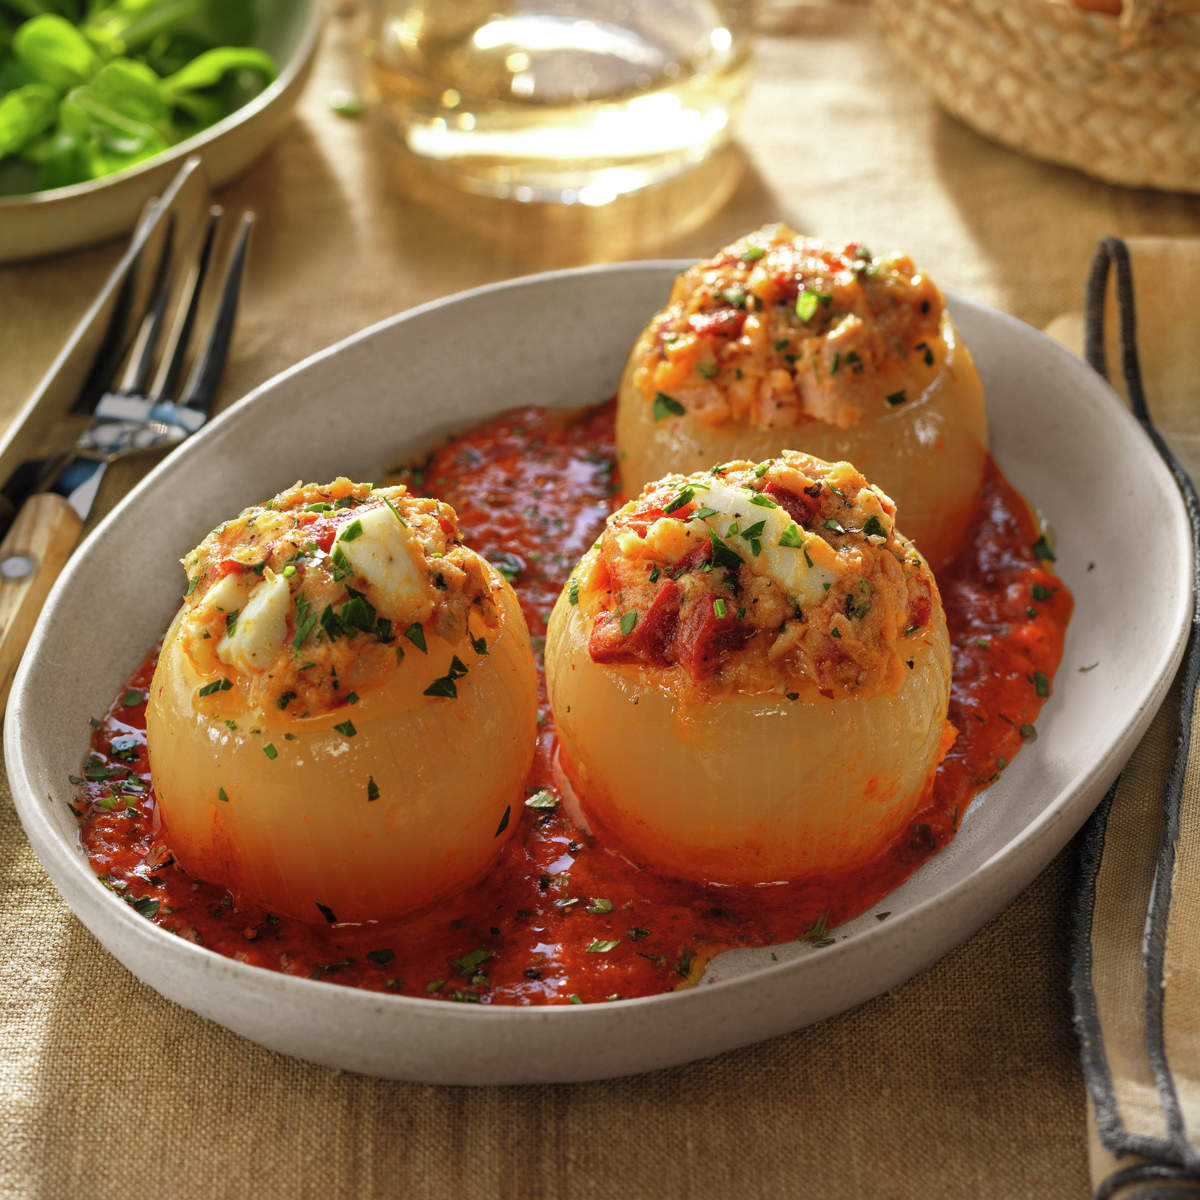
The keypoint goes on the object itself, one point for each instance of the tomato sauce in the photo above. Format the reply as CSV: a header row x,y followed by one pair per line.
x,y
561,919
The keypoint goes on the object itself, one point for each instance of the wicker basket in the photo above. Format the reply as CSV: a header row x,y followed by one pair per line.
x,y
1117,97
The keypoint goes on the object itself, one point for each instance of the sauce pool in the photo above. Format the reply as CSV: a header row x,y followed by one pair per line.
x,y
559,918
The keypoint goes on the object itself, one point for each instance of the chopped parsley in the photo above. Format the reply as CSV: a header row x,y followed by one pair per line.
x,y
683,498
858,605
808,301
305,620
666,406
144,906
341,564
443,686
791,537
1042,550
722,555
468,964
816,931
372,789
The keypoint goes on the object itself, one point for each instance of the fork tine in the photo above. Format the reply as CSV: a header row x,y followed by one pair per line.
x,y
202,386
146,344
111,351
171,370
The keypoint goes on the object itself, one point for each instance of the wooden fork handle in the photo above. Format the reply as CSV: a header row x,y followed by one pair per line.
x,y
32,556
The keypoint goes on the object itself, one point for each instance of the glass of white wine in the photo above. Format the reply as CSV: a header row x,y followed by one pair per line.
x,y
560,101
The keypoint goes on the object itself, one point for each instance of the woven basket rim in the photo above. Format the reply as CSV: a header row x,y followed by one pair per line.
x,y
1064,84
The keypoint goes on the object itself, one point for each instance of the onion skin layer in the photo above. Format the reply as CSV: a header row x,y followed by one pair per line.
x,y
299,830
744,788
928,454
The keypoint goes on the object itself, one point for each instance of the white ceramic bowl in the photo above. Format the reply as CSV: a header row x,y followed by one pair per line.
x,y
1057,430
40,223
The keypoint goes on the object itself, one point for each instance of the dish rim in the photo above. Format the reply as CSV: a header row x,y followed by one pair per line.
x,y
217,967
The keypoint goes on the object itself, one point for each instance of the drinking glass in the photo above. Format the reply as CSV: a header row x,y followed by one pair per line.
x,y
564,101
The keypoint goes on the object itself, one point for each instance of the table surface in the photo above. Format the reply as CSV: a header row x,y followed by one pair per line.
x,y
964,1081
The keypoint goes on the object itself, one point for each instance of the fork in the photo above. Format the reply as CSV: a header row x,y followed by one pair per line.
x,y
132,416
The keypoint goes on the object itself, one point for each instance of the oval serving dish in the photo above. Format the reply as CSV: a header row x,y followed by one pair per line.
x,y
1058,431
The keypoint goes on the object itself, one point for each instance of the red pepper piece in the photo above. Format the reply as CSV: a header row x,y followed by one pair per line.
x,y
799,508
724,323
701,637
651,637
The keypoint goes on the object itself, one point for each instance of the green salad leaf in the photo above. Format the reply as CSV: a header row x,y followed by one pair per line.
x,y
90,87
25,113
54,52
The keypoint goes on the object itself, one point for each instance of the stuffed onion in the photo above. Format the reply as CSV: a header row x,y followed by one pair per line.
x,y
344,709
750,674
782,342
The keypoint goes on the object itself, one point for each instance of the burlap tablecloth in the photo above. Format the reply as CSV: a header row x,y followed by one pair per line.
x,y
963,1082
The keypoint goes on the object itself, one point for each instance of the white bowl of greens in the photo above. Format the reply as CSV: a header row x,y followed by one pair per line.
x,y
101,100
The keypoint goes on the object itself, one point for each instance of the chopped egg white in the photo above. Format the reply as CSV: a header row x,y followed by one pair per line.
x,y
227,594
805,569
388,557
260,628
